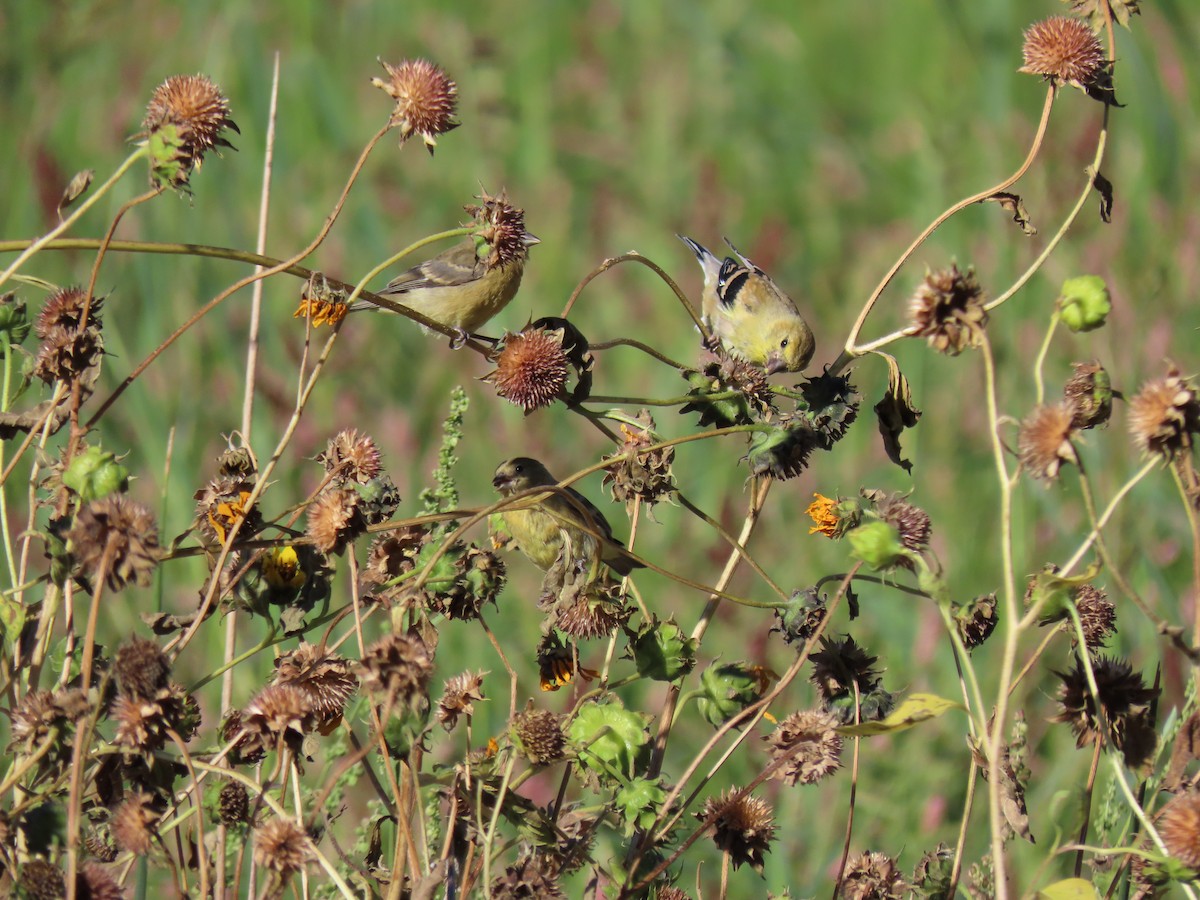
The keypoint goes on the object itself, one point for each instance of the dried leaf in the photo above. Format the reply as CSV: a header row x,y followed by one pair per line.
x,y
1016,206
915,708
895,413
75,189
1104,186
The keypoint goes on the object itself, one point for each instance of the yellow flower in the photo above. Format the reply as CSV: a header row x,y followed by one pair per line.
x,y
824,515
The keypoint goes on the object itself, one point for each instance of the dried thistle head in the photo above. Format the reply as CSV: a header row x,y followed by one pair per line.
x,y
1044,442
911,522
40,879
233,803
334,520
1164,415
459,697
1180,828
94,882
396,670
873,876
426,99
538,734
743,827
351,457
133,823
638,474
596,611
1125,700
324,676
282,846
141,668
186,117
1089,395
37,714
976,620
143,724
806,747
1063,50
65,309
500,226
70,352
1097,615
531,368
948,310
280,714
115,537
533,875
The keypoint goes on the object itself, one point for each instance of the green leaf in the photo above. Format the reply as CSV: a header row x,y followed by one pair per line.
x,y
914,708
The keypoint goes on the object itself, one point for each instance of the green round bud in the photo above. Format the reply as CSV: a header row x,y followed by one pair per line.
x,y
1084,304
95,473
877,543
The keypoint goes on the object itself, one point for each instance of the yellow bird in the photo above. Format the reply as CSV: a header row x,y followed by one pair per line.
x,y
555,526
460,288
749,314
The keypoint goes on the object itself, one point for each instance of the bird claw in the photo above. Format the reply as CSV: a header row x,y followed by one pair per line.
x,y
712,344
459,339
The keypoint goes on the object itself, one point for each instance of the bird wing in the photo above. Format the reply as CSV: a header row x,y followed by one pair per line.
x,y
454,267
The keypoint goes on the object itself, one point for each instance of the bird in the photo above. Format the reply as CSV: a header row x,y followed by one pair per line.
x,y
465,286
541,530
749,314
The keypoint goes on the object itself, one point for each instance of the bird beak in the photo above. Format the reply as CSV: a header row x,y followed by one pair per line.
x,y
529,239
499,481
775,365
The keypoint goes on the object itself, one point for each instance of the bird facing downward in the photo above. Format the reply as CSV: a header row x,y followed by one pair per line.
x,y
465,286
749,314
555,526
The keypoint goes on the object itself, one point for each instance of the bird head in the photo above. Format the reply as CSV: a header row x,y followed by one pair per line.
x,y
794,346
518,474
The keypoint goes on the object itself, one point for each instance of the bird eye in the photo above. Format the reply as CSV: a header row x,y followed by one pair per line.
x,y
783,343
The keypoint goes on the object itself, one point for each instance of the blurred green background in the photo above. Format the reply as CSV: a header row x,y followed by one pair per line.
x,y
821,138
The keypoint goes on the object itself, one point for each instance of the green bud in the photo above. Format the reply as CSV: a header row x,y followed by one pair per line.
x,y
95,473
1084,303
877,543
611,739
729,688
168,162
14,322
661,650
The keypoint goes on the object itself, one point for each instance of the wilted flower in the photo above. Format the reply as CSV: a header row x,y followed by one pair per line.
x,y
743,827
426,99
280,713
233,803
533,875
141,667
948,310
458,698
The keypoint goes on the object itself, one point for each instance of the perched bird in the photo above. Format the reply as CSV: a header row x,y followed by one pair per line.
x,y
750,315
541,530
460,288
